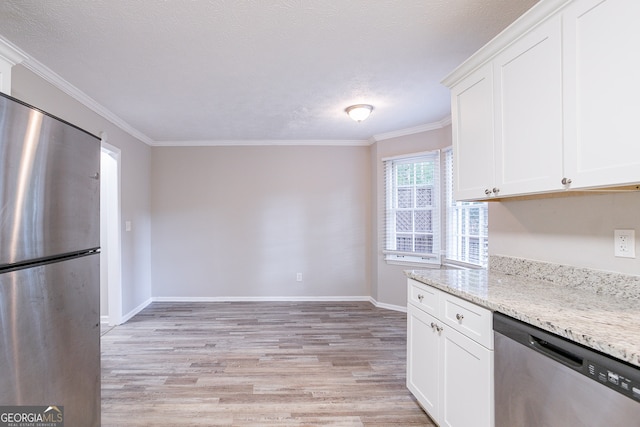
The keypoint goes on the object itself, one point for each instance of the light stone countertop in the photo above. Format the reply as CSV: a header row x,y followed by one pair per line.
x,y
605,322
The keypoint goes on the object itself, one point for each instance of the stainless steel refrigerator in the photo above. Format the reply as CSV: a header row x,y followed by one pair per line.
x,y
49,264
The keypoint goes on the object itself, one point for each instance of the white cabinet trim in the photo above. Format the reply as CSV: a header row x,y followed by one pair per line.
x,y
9,56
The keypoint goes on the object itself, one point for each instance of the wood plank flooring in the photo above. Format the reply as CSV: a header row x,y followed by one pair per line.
x,y
258,364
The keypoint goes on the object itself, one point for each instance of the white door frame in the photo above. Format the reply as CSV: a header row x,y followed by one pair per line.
x,y
113,246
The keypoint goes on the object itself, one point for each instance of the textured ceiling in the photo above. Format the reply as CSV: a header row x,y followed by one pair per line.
x,y
220,70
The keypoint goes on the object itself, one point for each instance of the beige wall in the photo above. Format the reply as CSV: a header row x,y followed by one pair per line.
x,y
242,221
388,281
136,279
576,231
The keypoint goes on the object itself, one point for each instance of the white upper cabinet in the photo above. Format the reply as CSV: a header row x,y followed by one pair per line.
x,y
559,111
528,115
472,117
602,92
507,120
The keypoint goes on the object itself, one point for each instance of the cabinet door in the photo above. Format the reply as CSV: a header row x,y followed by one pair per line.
x,y
423,349
601,44
472,117
467,386
528,96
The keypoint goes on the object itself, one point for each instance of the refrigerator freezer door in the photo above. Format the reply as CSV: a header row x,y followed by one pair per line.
x,y
49,186
50,338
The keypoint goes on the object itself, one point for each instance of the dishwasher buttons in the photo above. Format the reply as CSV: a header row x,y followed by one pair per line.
x,y
614,378
596,372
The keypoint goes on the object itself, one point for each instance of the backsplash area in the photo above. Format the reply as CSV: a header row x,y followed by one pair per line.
x,y
574,230
598,282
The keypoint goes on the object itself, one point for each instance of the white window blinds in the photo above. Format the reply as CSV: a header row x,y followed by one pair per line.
x,y
412,208
467,224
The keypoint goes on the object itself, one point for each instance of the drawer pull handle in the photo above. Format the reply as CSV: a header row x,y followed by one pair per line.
x,y
459,317
420,297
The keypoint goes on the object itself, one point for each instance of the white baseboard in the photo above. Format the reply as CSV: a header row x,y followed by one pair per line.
x,y
136,310
386,306
260,299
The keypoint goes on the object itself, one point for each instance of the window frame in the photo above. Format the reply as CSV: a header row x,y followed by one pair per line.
x,y
391,208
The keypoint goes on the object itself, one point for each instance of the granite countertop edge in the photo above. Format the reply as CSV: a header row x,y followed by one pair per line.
x,y
612,327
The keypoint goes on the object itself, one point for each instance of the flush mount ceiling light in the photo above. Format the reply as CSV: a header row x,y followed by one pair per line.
x,y
359,112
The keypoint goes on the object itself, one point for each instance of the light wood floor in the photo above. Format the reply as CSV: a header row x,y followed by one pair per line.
x,y
258,364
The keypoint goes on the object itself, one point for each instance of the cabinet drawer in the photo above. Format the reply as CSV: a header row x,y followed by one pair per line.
x,y
424,297
469,319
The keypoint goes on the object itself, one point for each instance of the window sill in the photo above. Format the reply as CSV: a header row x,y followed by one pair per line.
x,y
412,262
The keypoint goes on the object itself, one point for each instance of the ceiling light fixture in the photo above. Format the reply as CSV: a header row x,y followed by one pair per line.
x,y
359,112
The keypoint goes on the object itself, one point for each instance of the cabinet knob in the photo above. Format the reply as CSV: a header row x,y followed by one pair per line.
x,y
459,317
439,328
496,190
487,191
566,181
420,297
433,325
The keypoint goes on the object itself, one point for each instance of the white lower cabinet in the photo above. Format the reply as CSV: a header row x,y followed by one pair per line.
x,y
466,382
449,373
423,359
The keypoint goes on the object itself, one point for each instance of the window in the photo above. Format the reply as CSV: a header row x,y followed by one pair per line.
x,y
467,234
413,208
412,214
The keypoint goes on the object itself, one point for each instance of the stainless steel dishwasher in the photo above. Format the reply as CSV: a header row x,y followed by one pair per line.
x,y
543,380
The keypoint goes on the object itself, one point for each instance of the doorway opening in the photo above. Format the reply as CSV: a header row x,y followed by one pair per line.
x,y
110,253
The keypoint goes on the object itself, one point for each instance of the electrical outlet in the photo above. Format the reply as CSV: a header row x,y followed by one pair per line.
x,y
625,243
299,277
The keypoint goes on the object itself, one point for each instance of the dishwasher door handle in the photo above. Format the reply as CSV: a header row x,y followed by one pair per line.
x,y
558,354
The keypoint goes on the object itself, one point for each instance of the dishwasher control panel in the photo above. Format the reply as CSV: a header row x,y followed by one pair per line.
x,y
614,380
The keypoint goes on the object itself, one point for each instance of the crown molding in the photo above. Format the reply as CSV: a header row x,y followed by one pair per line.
x,y
322,142
16,56
11,53
413,130
446,121
52,77
258,142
